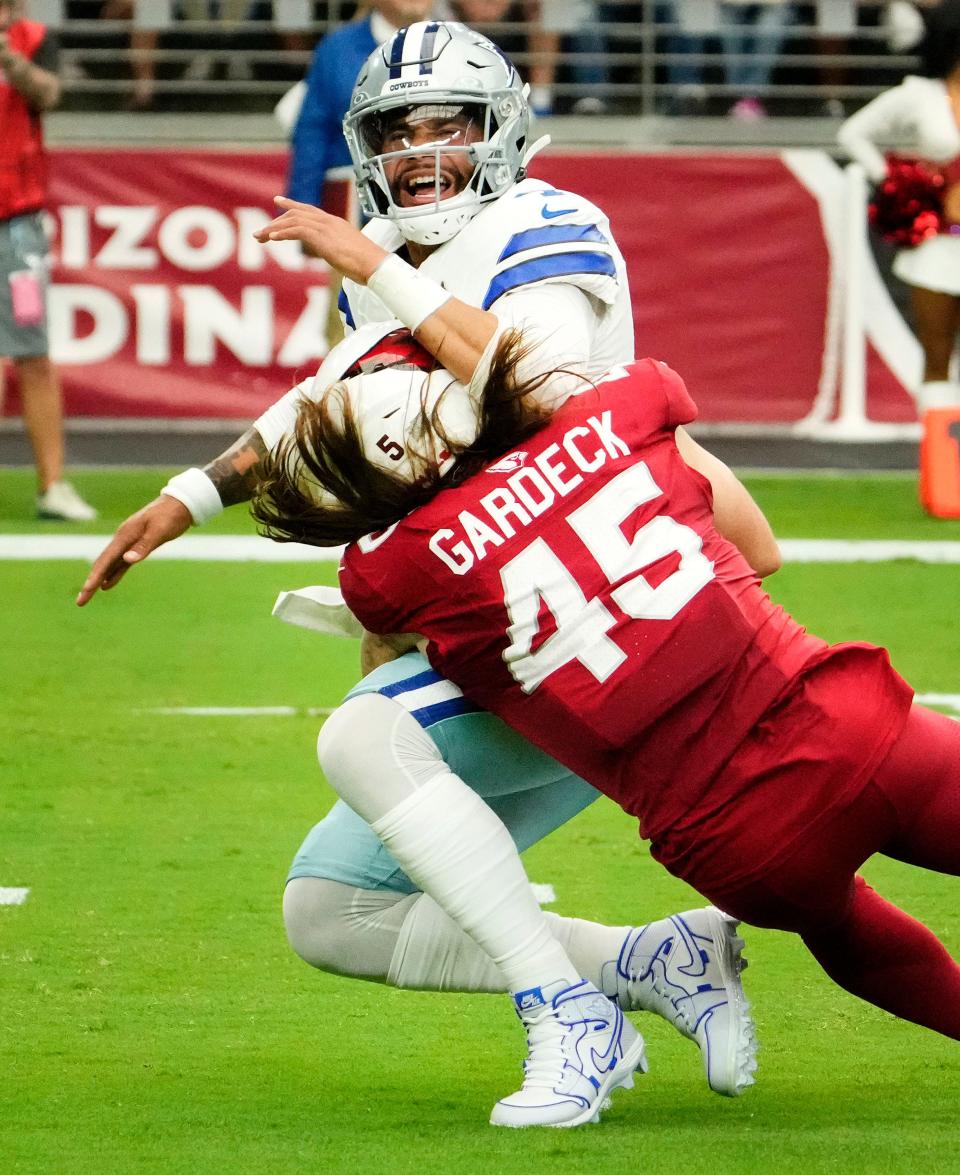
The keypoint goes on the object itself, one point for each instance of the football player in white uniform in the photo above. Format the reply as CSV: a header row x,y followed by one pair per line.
x,y
461,246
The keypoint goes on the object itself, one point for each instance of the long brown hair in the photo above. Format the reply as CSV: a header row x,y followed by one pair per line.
x,y
327,449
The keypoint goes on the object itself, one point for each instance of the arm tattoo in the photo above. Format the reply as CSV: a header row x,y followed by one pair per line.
x,y
235,471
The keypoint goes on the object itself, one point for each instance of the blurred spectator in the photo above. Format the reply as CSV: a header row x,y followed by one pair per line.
x,y
472,12
836,23
47,12
752,36
578,23
291,20
320,171
150,18
53,14
903,25
29,86
697,20
481,14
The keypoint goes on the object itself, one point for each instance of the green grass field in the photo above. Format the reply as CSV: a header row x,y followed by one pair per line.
x,y
152,1017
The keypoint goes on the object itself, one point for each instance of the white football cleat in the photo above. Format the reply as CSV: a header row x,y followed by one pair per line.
x,y
687,969
62,502
582,1047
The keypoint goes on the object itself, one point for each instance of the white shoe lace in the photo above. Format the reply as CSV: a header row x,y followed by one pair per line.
x,y
546,1057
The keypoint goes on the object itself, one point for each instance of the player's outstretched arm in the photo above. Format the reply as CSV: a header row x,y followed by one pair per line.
x,y
188,499
334,239
558,320
455,333
156,523
735,514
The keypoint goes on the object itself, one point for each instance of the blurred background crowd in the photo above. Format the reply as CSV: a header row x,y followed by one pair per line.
x,y
778,74
583,57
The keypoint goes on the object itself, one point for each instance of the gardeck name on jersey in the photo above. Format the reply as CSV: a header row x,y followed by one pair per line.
x,y
528,492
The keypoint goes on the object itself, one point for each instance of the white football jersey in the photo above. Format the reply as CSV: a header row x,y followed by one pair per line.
x,y
532,235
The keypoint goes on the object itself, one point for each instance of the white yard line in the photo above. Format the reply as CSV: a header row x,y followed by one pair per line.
x,y
240,711
13,895
230,548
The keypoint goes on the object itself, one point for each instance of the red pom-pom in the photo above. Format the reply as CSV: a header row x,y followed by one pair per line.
x,y
907,204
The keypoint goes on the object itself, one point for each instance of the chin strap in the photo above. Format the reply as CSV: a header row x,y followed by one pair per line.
x,y
535,149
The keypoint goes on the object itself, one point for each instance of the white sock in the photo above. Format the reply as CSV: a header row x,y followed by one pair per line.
x,y
591,946
457,850
432,953
939,393
407,941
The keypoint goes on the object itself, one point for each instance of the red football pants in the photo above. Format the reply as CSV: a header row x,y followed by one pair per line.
x,y
909,810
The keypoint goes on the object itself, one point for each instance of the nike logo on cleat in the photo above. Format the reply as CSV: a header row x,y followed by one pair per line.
x,y
533,998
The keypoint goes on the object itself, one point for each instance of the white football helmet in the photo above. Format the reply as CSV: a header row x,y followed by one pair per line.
x,y
392,384
445,68
391,404
369,348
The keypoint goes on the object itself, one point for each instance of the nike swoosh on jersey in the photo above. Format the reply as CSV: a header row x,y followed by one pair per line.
x,y
552,213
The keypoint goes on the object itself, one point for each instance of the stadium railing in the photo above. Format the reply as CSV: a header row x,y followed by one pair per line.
x,y
822,68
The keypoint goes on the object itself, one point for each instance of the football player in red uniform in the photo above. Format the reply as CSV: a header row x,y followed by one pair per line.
x,y
568,575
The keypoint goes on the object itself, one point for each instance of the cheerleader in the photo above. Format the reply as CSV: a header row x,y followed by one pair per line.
x,y
922,114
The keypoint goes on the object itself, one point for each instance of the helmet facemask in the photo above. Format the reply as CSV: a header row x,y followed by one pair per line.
x,y
480,115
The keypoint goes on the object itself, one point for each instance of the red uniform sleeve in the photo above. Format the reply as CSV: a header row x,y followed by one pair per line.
x,y
655,396
680,407
362,591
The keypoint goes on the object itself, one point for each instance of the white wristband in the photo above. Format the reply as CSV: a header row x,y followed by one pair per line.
x,y
410,296
197,492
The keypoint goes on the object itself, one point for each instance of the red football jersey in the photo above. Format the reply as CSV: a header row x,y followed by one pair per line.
x,y
578,588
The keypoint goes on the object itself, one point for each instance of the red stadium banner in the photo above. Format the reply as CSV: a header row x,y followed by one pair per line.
x,y
730,274
164,305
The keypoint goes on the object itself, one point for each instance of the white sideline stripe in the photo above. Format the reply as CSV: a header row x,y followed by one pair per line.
x,y
254,549
868,551
241,711
950,700
13,895
214,548
544,893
